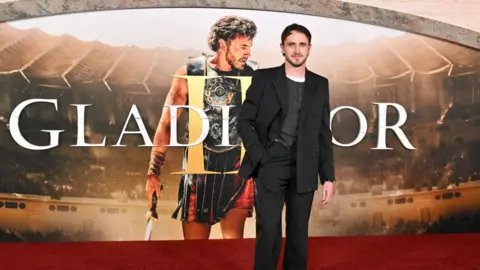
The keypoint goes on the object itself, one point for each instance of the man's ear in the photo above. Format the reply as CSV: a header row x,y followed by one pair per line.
x,y
222,45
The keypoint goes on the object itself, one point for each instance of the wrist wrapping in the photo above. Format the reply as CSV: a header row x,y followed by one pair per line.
x,y
156,162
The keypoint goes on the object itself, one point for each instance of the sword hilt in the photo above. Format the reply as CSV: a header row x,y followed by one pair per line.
x,y
153,209
152,213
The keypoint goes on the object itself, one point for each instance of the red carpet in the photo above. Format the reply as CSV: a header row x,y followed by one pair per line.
x,y
454,251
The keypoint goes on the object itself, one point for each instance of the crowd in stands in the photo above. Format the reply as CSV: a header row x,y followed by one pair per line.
x,y
52,236
438,167
453,224
58,176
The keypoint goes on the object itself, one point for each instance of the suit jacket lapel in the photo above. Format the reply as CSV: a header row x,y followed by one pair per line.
x,y
280,86
308,97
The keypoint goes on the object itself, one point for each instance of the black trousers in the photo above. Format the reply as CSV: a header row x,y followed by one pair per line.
x,y
275,187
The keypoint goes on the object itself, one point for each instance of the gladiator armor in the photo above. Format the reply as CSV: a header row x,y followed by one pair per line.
x,y
206,198
218,92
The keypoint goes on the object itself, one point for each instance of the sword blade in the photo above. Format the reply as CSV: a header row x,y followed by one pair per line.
x,y
148,232
152,216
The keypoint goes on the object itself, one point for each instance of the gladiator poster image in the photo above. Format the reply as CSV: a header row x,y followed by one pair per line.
x,y
94,104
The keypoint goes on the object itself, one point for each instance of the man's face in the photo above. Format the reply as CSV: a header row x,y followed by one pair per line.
x,y
296,48
238,52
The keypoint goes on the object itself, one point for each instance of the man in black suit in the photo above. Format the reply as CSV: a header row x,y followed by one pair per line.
x,y
284,125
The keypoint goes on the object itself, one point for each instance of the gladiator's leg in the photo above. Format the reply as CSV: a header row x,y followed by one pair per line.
x,y
191,225
195,230
234,223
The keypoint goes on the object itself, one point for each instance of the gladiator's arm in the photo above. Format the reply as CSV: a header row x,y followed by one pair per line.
x,y
326,168
248,117
176,96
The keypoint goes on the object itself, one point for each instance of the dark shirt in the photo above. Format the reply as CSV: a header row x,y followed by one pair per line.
x,y
288,133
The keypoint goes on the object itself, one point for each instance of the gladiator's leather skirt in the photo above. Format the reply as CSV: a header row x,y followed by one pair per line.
x,y
207,198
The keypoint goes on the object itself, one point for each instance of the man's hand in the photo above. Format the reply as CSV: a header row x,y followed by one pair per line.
x,y
327,192
153,184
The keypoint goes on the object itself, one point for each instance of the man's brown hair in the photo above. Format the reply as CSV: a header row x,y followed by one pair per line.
x,y
297,28
228,28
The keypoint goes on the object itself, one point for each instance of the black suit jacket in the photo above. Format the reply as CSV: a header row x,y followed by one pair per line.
x,y
263,113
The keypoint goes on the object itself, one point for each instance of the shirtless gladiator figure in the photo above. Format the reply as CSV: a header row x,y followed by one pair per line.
x,y
205,200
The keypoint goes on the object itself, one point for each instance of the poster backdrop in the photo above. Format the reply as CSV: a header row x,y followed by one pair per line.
x,y
121,63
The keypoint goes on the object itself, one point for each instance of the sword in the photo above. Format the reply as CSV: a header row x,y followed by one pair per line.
x,y
152,216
